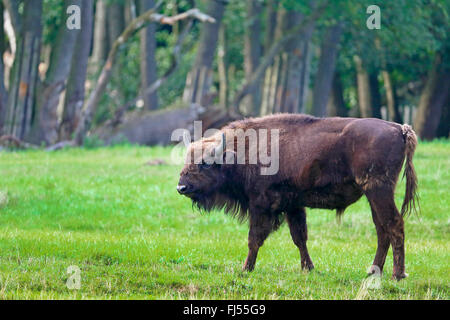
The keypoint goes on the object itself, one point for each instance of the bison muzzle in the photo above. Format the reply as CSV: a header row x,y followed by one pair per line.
x,y
326,163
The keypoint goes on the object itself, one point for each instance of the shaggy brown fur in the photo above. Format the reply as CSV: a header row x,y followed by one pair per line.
x,y
325,163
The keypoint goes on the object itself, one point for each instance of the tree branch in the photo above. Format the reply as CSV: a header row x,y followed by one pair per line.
x,y
12,6
105,75
159,82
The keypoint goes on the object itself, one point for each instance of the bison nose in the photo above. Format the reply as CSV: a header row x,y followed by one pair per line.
x,y
181,189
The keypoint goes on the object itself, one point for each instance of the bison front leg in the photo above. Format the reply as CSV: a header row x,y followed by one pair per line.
x,y
299,232
260,228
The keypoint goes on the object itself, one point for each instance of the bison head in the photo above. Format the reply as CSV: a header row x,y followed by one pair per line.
x,y
203,174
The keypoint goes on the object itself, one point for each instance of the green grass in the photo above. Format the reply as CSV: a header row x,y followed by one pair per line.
x,y
124,225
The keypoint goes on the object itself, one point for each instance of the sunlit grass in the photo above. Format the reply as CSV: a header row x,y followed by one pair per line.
x,y
124,225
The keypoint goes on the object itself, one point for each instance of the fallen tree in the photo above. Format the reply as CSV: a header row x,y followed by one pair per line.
x,y
266,61
105,75
156,127
151,128
11,142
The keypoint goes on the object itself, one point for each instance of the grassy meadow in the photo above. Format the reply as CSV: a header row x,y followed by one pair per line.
x,y
120,220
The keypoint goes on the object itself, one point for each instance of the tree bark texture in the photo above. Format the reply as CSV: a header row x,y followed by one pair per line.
x,y
199,79
21,99
148,59
325,72
363,86
99,51
253,53
432,100
75,90
336,105
46,126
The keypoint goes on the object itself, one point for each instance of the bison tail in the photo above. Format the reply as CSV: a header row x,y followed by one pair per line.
x,y
411,200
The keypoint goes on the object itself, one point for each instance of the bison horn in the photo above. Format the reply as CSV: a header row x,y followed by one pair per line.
x,y
221,147
186,138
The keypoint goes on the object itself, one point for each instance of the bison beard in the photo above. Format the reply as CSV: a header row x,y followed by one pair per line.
x,y
325,163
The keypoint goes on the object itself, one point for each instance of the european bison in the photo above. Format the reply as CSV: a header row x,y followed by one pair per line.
x,y
323,163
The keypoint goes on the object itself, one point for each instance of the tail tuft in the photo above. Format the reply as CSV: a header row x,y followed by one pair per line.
x,y
411,201
339,214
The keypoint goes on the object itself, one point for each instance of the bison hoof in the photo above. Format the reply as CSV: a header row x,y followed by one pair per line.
x,y
247,268
308,266
374,270
399,277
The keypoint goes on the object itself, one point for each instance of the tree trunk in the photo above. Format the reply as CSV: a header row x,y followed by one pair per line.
x,y
432,100
223,68
392,108
21,97
3,92
130,11
325,72
13,9
45,128
252,53
444,125
199,79
336,105
115,27
363,84
294,56
115,20
393,113
294,83
75,91
305,75
298,32
148,60
268,88
100,35
375,95
291,66
271,22
272,76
